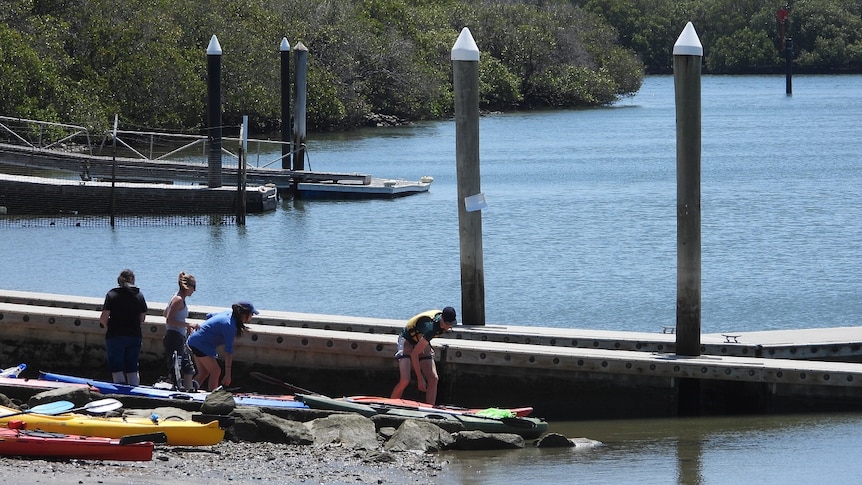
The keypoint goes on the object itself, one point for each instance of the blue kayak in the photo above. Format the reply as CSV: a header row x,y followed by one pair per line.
x,y
242,399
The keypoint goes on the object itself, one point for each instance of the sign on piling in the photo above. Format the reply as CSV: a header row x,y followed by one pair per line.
x,y
465,67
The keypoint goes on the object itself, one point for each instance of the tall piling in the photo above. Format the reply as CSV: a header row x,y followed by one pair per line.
x,y
788,67
286,134
687,56
214,128
465,69
300,58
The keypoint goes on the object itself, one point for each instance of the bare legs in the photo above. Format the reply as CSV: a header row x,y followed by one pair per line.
x,y
208,368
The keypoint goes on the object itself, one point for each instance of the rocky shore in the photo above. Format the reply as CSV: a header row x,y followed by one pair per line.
x,y
263,448
238,463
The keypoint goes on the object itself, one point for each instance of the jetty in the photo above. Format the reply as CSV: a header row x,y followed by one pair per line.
x,y
563,373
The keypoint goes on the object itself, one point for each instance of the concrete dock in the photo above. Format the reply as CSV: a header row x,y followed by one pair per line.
x,y
562,373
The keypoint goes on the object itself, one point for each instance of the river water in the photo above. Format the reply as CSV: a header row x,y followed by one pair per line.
x,y
580,232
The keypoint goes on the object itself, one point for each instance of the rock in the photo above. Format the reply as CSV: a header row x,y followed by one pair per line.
x,y
480,440
251,424
554,440
78,395
395,421
350,430
420,436
218,402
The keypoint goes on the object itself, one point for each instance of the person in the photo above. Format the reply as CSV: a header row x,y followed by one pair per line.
x,y
181,367
415,351
219,329
122,315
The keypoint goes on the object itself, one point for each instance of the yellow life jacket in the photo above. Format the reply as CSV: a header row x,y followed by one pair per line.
x,y
412,331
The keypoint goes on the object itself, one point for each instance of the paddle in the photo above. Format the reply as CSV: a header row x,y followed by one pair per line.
x,y
59,407
278,382
56,407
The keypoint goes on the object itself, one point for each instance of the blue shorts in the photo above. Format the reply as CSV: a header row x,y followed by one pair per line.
x,y
123,353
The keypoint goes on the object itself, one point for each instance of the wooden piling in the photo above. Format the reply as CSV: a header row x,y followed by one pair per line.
x,y
687,56
285,104
465,66
214,129
300,57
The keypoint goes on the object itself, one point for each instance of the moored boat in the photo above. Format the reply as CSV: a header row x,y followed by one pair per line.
x,y
527,427
247,399
16,441
182,433
440,408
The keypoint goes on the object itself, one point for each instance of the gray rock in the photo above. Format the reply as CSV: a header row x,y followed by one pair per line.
x,y
554,440
251,424
480,440
350,430
218,402
419,436
78,395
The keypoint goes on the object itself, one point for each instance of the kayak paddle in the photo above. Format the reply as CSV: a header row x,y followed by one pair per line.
x,y
272,380
101,406
56,407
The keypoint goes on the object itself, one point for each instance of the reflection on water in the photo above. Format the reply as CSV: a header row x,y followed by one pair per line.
x,y
743,449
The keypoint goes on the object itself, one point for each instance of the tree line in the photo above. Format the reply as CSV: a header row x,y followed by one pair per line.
x,y
82,61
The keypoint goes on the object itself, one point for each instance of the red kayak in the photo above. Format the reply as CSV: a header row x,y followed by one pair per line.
x,y
421,406
16,441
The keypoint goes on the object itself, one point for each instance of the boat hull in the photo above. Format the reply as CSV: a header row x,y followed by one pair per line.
x,y
40,444
178,433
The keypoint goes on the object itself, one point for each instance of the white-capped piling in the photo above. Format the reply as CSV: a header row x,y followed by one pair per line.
x,y
465,68
300,58
284,48
214,128
687,56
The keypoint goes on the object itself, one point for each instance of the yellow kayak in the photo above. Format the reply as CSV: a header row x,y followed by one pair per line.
x,y
179,433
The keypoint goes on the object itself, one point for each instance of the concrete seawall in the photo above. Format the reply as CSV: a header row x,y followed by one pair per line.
x,y
564,374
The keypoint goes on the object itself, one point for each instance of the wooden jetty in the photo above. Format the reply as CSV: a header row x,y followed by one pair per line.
x,y
563,373
293,183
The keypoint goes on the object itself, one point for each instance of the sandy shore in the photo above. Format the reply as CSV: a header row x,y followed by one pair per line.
x,y
238,464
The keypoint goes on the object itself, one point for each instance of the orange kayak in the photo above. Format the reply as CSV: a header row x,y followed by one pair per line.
x,y
421,406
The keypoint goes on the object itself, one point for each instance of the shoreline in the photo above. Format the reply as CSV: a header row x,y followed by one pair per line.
x,y
237,463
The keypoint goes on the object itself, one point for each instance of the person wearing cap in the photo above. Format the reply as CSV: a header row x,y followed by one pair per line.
x,y
219,329
415,351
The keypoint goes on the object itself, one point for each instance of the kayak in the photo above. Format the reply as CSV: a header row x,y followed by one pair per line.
x,y
15,441
179,433
527,427
421,406
41,384
246,399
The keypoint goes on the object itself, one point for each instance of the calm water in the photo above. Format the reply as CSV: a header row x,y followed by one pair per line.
x,y
580,232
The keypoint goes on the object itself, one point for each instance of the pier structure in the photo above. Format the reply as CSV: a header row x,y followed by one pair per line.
x,y
563,373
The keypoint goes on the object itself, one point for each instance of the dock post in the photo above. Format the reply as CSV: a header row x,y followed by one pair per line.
x,y
465,70
285,104
687,57
241,202
300,57
788,58
214,129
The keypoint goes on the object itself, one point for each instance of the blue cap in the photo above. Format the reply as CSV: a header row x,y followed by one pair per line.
x,y
246,305
449,316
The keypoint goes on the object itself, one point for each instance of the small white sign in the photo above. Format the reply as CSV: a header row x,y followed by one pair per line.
x,y
475,202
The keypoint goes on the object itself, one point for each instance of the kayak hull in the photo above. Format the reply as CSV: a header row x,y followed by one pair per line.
x,y
527,427
242,399
178,433
421,406
39,444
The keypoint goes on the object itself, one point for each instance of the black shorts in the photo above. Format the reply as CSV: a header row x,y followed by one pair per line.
x,y
197,352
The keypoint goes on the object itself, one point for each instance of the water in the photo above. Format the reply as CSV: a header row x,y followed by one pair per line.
x,y
580,232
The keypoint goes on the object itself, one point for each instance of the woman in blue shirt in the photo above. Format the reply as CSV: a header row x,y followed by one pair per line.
x,y
219,329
